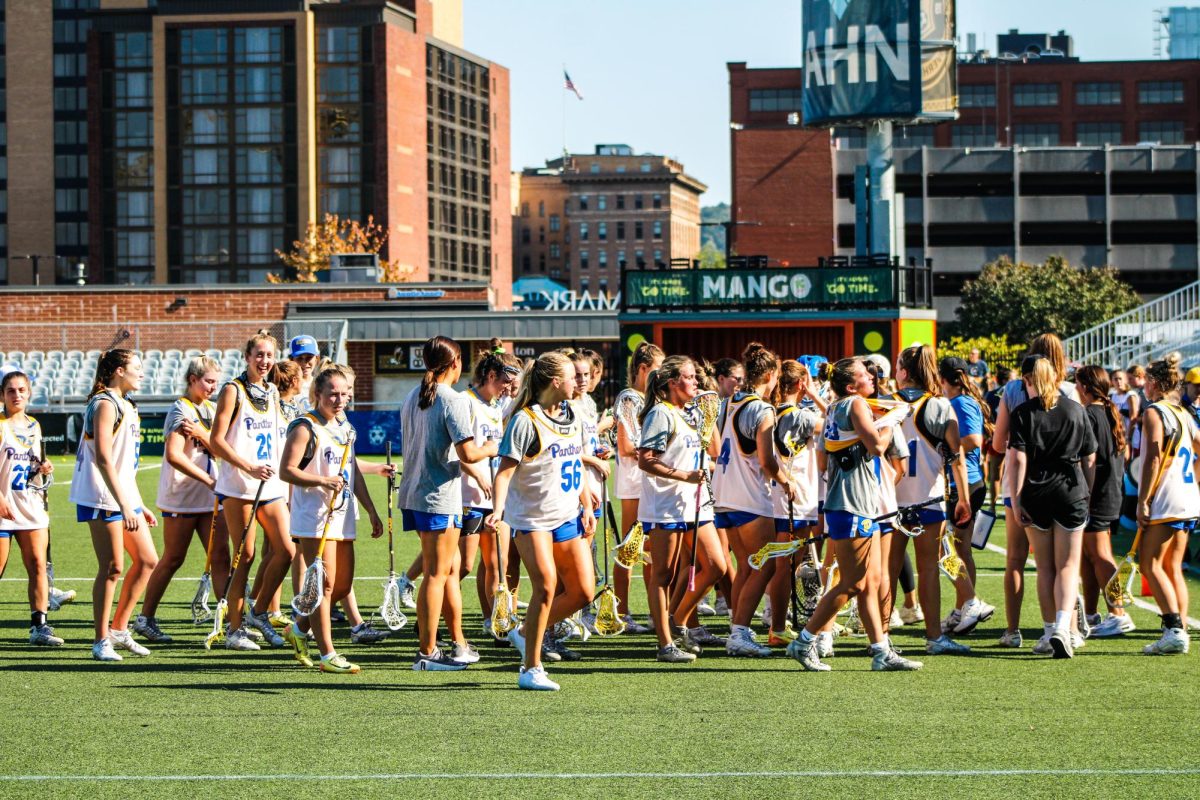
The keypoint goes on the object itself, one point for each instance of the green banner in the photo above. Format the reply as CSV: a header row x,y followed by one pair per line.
x,y
758,288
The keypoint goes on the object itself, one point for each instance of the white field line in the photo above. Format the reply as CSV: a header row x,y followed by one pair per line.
x,y
561,776
1193,623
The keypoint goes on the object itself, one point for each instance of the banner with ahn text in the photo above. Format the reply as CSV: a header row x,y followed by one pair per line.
x,y
750,289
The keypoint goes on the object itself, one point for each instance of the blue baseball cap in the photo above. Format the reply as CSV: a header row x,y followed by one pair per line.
x,y
303,346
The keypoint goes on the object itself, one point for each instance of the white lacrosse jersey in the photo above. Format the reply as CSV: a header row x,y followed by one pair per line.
x,y
925,479
666,500
257,437
20,460
738,480
179,493
801,465
544,491
1174,494
310,504
628,409
489,426
586,412
87,484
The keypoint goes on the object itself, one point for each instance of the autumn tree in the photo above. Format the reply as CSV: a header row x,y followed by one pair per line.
x,y
332,236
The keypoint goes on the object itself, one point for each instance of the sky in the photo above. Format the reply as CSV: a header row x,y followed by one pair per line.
x,y
653,74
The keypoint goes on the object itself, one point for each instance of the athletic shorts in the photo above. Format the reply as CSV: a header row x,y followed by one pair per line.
x,y
181,514
671,527
734,519
88,513
563,533
420,521
976,496
1188,525
781,525
1045,515
472,520
1100,525
222,498
844,525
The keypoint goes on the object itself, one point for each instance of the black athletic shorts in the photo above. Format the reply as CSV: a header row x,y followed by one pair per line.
x,y
978,491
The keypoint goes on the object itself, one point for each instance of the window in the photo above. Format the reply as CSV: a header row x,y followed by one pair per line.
x,y
70,200
202,46
639,257
71,98
1036,134
132,168
646,167
914,136
555,223
131,50
1098,133
604,285
638,202
263,164
1158,92
620,202
541,208
338,84
524,209
657,229
1169,132
258,124
260,205
583,202
201,86
583,259
775,100
977,96
1107,93
258,44
524,235
526,263
602,231
258,84
555,250
258,245
203,207
639,230
658,257
595,168
602,259
134,248
345,201
206,166
620,231
1035,94
133,89
583,231
602,202
656,201
133,129
621,259
337,44
205,126
849,138
972,135
583,284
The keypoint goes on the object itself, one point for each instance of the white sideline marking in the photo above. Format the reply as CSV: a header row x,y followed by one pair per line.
x,y
559,776
1137,601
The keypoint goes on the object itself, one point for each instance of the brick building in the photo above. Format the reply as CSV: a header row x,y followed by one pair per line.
x,y
189,140
540,232
621,209
1096,161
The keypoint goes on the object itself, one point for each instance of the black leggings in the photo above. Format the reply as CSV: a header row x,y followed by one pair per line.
x,y
908,581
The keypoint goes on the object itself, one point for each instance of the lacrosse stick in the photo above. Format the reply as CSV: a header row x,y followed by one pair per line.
x,y
950,564
223,605
201,613
707,405
389,609
503,618
792,569
608,617
808,577
1118,591
629,550
312,585
774,550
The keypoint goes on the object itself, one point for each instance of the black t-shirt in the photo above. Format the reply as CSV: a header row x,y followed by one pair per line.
x,y
1054,441
1106,489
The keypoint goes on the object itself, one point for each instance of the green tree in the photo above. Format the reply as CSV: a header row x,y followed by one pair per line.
x,y
1023,300
710,257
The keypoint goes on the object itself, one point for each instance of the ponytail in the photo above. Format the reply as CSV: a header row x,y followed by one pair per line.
x,y
658,384
919,362
956,376
107,367
439,354
1094,380
1042,375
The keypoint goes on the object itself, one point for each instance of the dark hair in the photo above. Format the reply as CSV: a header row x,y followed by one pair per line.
x,y
841,375
876,370
1003,375
725,367
957,377
759,362
107,367
790,373
439,354
1165,373
285,375
9,376
658,388
920,364
597,359
705,375
491,360
1093,379
645,353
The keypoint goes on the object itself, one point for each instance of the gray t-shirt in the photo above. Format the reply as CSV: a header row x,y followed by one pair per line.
x,y
856,490
521,437
431,481
749,416
935,414
657,429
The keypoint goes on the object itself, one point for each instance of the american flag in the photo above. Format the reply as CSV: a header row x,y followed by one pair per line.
x,y
567,84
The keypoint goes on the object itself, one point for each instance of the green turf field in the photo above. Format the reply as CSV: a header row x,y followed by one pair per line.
x,y
185,722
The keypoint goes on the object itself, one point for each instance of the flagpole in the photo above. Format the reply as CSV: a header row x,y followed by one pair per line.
x,y
564,117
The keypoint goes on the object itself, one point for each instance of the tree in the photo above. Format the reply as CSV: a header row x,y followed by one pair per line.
x,y
1023,300
332,236
710,257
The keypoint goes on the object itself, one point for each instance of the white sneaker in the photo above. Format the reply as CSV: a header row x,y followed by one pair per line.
x,y
517,640
1061,644
705,610
1011,639
895,621
240,640
945,646
1042,647
124,640
407,599
911,616
807,654
43,636
262,623
765,615
1081,618
147,628
537,680
743,643
59,598
951,621
464,653
825,644
973,612
1173,642
103,651
1114,625
1077,641
888,660
721,607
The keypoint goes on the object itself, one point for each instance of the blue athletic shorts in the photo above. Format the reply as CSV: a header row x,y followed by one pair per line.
x,y
563,533
673,527
932,515
844,525
781,525
88,513
734,519
472,520
1188,525
420,521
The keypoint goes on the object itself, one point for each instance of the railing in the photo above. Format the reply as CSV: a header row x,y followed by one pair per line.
x,y
1164,324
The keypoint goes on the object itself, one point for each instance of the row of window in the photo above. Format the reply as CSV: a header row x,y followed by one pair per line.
x,y
775,99
602,231
253,165
639,202
249,45
198,126
1097,93
1039,134
639,259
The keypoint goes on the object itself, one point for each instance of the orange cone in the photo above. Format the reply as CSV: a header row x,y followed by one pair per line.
x,y
1146,588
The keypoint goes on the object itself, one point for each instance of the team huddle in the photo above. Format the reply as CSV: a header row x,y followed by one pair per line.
x,y
798,481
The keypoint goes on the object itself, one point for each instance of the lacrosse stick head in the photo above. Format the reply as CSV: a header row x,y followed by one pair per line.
x,y
218,629
628,408
503,618
1118,590
201,612
773,550
312,589
808,581
608,616
950,563
708,406
908,522
389,609
629,552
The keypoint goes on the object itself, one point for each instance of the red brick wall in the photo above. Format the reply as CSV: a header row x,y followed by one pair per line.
x,y
402,157
502,236
361,356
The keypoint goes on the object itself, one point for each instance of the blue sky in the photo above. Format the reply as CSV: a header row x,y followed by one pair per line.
x,y
653,73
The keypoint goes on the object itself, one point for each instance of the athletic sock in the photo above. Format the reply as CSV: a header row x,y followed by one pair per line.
x,y
1171,621
37,618
879,647
329,656
805,636
1062,621
358,627
737,630
1047,629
